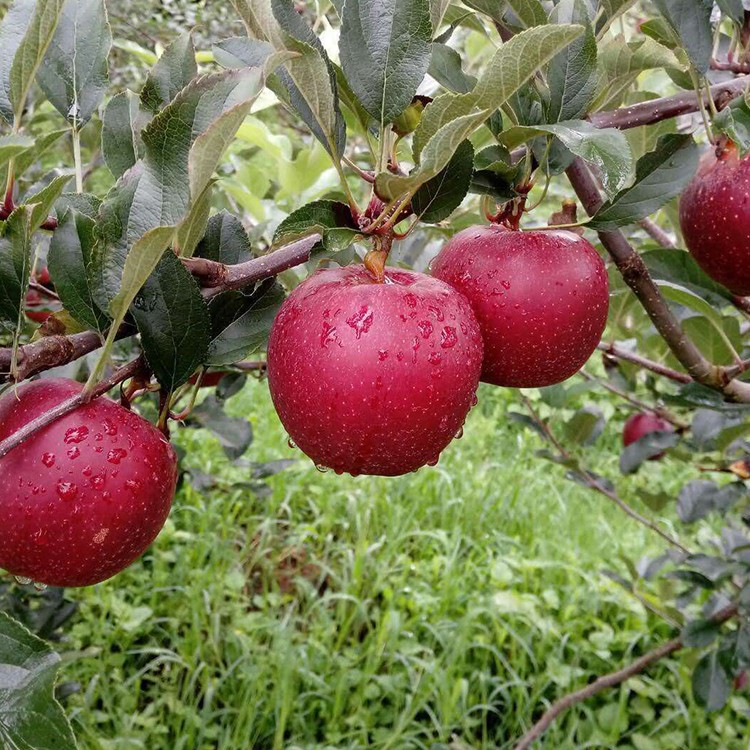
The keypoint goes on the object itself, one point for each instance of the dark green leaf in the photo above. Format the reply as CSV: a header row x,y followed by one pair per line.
x,y
249,326
445,68
225,241
74,74
711,682
42,144
234,434
173,321
660,175
495,9
572,73
700,633
331,218
691,21
85,203
174,70
12,146
699,497
30,716
529,12
439,197
385,52
732,8
585,426
15,265
742,649
734,122
25,34
70,254
121,132
649,446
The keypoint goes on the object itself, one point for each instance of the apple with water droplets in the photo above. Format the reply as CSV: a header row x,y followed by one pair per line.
x,y
541,299
715,218
374,378
84,497
644,423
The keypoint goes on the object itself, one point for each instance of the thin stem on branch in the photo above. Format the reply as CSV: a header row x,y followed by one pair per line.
x,y
614,350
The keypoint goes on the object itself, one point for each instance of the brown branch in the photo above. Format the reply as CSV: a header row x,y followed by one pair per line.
x,y
636,276
217,277
657,233
663,413
656,110
731,66
610,680
614,350
69,405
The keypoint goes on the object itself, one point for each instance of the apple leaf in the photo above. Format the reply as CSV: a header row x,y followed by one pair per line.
x,y
445,68
225,240
691,21
121,133
711,682
660,175
385,52
173,71
15,266
74,73
13,145
30,716
332,219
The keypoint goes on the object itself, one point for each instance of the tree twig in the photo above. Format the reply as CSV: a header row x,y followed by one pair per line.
x,y
614,350
610,680
657,233
69,405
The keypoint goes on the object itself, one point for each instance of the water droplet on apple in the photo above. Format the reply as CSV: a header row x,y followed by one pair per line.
x,y
434,358
425,328
116,455
109,427
97,482
361,321
74,452
448,338
433,461
67,490
48,459
382,355
76,435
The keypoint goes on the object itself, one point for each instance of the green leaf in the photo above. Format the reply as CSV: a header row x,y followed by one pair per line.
x,y
436,155
25,34
660,175
669,265
711,682
193,226
649,446
607,149
30,716
234,433
85,203
70,253
121,132
42,201
241,52
385,52
445,68
611,10
572,74
437,12
13,145
332,219
691,21
74,74
530,12
585,426
15,266
494,9
249,326
32,154
510,67
732,8
700,633
495,174
225,240
308,76
734,121
173,71
439,197
173,321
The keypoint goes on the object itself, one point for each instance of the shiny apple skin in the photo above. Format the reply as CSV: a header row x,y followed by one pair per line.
x,y
372,378
715,219
541,298
84,497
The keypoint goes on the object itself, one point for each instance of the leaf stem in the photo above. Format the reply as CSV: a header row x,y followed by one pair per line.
x,y
76,135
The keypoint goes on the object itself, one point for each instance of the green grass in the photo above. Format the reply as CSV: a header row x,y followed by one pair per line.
x,y
443,607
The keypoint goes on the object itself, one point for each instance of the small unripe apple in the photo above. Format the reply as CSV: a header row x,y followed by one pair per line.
x,y
541,298
715,218
642,424
84,497
373,378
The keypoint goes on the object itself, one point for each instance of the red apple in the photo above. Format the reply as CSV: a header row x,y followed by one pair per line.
x,y
642,424
715,219
84,497
210,379
373,378
38,307
541,298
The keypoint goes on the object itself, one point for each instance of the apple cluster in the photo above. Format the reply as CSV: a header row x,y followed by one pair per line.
x,y
378,378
